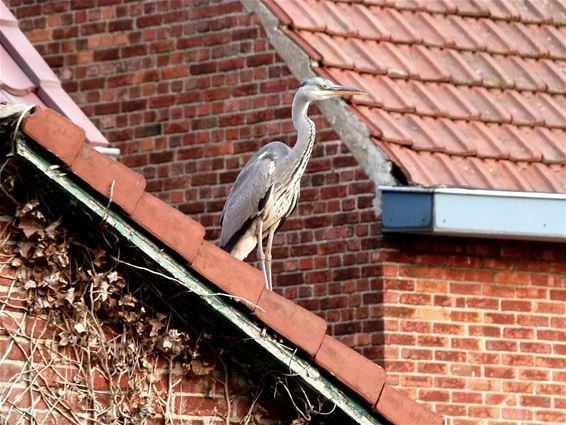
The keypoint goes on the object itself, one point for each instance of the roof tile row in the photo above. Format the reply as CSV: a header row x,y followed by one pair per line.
x,y
453,83
125,188
469,138
429,29
436,64
527,11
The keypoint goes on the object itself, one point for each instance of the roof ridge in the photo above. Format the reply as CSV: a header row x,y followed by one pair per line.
x,y
126,189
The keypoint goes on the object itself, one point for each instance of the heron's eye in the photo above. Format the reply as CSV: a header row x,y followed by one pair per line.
x,y
321,86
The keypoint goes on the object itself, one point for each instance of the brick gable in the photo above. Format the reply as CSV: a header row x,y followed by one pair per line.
x,y
470,328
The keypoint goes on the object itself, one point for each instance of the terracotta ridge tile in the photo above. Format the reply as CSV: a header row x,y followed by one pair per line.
x,y
118,183
302,327
55,133
476,8
401,410
351,368
229,274
173,228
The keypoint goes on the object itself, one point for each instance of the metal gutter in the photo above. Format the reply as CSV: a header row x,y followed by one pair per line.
x,y
286,357
474,213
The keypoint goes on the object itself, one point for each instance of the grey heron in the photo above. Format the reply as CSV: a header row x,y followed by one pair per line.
x,y
266,191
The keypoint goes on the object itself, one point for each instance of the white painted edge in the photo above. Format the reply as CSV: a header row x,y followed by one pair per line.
x,y
493,213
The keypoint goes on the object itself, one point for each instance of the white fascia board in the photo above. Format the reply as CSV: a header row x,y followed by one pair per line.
x,y
476,213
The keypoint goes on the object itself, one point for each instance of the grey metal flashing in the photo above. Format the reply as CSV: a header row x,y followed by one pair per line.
x,y
287,358
351,131
475,213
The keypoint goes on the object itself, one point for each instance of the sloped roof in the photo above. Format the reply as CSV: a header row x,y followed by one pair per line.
x,y
465,93
27,79
170,228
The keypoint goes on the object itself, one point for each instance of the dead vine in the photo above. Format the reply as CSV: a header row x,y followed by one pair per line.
x,y
91,353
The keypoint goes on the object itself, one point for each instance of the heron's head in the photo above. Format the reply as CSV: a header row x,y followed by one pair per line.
x,y
318,88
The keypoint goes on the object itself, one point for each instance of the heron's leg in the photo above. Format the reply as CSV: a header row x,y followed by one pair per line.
x,y
268,255
260,253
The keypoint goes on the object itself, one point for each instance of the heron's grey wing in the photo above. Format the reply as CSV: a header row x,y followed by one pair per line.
x,y
250,193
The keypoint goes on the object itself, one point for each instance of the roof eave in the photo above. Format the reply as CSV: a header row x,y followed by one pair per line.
x,y
474,213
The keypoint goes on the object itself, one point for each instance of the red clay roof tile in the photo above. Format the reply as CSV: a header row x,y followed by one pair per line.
x,y
55,133
229,274
111,179
356,371
298,325
403,411
437,72
176,230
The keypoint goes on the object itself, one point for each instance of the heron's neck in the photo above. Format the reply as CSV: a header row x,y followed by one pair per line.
x,y
301,152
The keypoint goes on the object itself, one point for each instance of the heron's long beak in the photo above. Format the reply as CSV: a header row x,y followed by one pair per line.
x,y
346,91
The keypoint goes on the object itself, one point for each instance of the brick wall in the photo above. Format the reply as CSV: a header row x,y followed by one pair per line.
x,y
477,329
47,377
189,93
